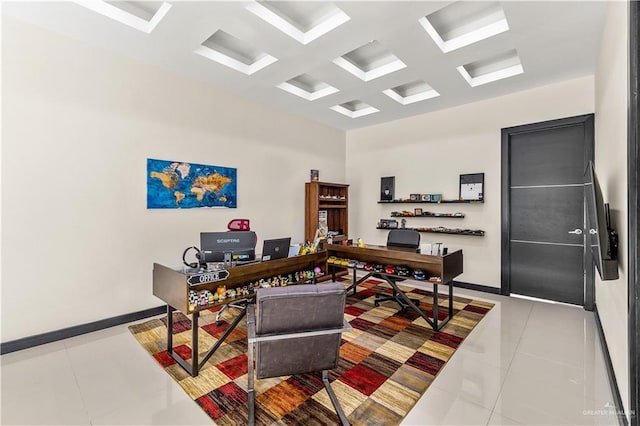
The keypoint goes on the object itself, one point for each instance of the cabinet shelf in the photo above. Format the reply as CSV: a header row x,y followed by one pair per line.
x,y
332,206
468,232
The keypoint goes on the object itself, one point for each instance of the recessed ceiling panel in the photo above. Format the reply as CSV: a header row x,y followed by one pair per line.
x,y
409,93
303,21
369,61
498,67
234,53
354,109
143,16
307,87
463,23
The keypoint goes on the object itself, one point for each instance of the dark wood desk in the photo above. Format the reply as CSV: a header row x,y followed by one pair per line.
x,y
445,267
172,288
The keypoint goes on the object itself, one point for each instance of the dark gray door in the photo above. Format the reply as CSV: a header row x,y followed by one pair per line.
x,y
544,193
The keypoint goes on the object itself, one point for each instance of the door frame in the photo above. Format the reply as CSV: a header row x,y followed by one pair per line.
x,y
587,121
633,156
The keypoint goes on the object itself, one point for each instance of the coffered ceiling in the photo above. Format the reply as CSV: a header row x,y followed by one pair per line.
x,y
344,64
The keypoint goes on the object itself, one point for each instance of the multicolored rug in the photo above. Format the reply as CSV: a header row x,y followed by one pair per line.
x,y
387,362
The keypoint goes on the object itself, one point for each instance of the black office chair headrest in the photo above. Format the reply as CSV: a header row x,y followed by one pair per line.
x,y
408,238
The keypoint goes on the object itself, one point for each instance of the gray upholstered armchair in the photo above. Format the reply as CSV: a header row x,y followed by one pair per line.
x,y
295,330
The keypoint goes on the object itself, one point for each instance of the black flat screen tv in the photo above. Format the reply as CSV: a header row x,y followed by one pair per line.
x,y
601,237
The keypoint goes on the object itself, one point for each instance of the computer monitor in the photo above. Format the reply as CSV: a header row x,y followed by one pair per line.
x,y
241,245
277,248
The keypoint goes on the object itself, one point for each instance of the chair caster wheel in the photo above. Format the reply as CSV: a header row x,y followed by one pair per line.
x,y
218,323
376,304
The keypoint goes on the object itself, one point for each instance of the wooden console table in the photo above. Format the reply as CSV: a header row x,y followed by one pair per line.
x,y
172,288
445,267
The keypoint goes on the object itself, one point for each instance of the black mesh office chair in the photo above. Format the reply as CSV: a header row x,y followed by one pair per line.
x,y
405,239
295,330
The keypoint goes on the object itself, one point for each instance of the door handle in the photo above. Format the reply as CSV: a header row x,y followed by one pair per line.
x,y
576,231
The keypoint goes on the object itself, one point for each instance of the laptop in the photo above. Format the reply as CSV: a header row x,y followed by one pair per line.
x,y
275,249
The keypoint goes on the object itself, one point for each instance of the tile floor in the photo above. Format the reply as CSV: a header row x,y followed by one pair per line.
x,y
527,362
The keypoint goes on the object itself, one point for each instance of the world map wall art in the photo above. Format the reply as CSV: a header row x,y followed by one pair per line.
x,y
179,185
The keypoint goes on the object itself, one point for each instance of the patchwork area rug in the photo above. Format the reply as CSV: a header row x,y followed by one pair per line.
x,y
387,362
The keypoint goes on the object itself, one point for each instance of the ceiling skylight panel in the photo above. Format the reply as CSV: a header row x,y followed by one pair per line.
x,y
409,93
143,16
234,53
301,20
307,87
354,109
369,61
463,23
498,67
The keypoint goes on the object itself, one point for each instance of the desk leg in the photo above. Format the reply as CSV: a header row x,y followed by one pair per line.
x,y
170,328
450,299
194,343
435,307
355,285
222,338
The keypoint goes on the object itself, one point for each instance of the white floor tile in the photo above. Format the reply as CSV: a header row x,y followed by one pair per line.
x,y
39,388
438,407
497,420
169,406
112,370
472,380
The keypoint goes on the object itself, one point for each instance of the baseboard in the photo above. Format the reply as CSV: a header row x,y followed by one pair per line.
x,y
476,287
76,330
613,383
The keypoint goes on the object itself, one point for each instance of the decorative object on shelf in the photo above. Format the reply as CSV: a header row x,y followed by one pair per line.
x,y
315,175
415,197
425,197
323,226
403,223
388,224
417,212
472,186
175,184
387,187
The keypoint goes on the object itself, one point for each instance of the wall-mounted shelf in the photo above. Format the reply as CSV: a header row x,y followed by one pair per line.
x,y
432,202
428,214
441,230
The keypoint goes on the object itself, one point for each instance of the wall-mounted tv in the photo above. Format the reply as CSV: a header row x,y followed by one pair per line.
x,y
601,237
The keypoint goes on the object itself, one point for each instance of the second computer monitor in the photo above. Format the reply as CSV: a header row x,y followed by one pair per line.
x,y
277,248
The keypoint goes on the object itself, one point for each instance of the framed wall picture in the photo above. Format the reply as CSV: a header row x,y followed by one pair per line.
x,y
387,186
472,186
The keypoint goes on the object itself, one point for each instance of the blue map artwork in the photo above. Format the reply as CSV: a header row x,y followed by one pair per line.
x,y
178,185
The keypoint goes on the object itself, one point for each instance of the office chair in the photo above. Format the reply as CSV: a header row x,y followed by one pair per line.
x,y
405,239
295,330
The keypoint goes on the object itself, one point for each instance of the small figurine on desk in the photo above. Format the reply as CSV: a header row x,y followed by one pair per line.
x,y
403,223
360,243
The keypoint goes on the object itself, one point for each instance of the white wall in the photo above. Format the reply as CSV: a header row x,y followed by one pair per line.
x,y
427,153
78,125
611,169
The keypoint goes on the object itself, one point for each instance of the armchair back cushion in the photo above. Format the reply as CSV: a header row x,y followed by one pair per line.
x,y
294,309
